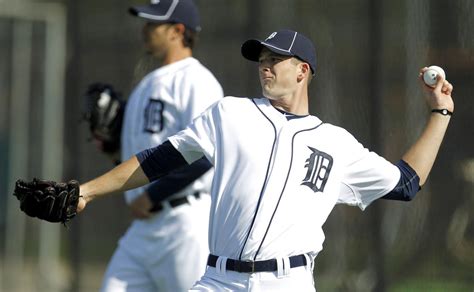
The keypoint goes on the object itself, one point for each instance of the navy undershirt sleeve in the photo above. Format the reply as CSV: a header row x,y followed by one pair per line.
x,y
408,185
177,180
160,160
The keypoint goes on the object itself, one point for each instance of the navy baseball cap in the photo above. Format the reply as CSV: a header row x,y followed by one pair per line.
x,y
170,11
283,42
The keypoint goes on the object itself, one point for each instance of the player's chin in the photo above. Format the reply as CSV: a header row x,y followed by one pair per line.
x,y
268,94
266,85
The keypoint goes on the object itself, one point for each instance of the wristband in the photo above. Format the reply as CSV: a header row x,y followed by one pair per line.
x,y
444,112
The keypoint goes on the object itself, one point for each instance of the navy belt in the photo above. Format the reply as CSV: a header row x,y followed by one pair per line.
x,y
257,266
175,202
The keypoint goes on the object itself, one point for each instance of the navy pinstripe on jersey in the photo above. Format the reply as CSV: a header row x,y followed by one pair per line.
x,y
265,181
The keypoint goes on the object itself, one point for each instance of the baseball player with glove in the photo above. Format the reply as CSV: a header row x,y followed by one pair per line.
x,y
165,248
279,171
172,213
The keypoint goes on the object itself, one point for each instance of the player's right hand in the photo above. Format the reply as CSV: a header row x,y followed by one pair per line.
x,y
438,97
141,207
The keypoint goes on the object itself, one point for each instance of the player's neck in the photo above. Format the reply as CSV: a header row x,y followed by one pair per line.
x,y
299,108
296,104
177,55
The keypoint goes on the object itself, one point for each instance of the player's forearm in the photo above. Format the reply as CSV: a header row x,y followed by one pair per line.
x,y
125,176
422,154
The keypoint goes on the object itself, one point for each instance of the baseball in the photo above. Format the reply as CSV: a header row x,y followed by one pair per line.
x,y
431,74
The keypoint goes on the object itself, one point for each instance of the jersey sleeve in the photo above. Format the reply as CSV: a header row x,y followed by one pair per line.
x,y
198,138
366,175
408,185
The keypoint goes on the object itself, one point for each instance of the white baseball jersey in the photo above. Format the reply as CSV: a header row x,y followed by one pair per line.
x,y
176,93
277,180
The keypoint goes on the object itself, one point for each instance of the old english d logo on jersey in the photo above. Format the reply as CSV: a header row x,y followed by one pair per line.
x,y
154,116
319,166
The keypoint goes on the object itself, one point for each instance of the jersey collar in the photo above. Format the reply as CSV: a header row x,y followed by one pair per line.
x,y
276,115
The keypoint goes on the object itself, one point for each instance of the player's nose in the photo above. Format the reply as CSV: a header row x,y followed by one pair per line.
x,y
264,70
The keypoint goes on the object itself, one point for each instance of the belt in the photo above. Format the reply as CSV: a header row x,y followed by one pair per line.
x,y
257,266
175,202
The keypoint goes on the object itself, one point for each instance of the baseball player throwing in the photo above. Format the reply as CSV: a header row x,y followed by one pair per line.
x,y
279,171
166,248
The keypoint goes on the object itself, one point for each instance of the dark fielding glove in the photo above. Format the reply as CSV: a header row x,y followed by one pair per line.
x,y
48,200
104,114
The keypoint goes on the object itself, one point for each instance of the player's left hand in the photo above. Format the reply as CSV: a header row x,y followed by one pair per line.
x,y
48,200
438,97
141,207
81,204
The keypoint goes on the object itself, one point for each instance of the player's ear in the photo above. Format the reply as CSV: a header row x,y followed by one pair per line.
x,y
303,71
178,29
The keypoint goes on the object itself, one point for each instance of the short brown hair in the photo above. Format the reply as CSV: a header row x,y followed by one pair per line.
x,y
189,38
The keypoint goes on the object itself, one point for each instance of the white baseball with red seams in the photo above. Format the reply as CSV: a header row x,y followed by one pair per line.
x,y
430,76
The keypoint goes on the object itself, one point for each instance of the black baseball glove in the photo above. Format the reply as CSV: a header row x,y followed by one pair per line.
x,y
48,200
104,114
